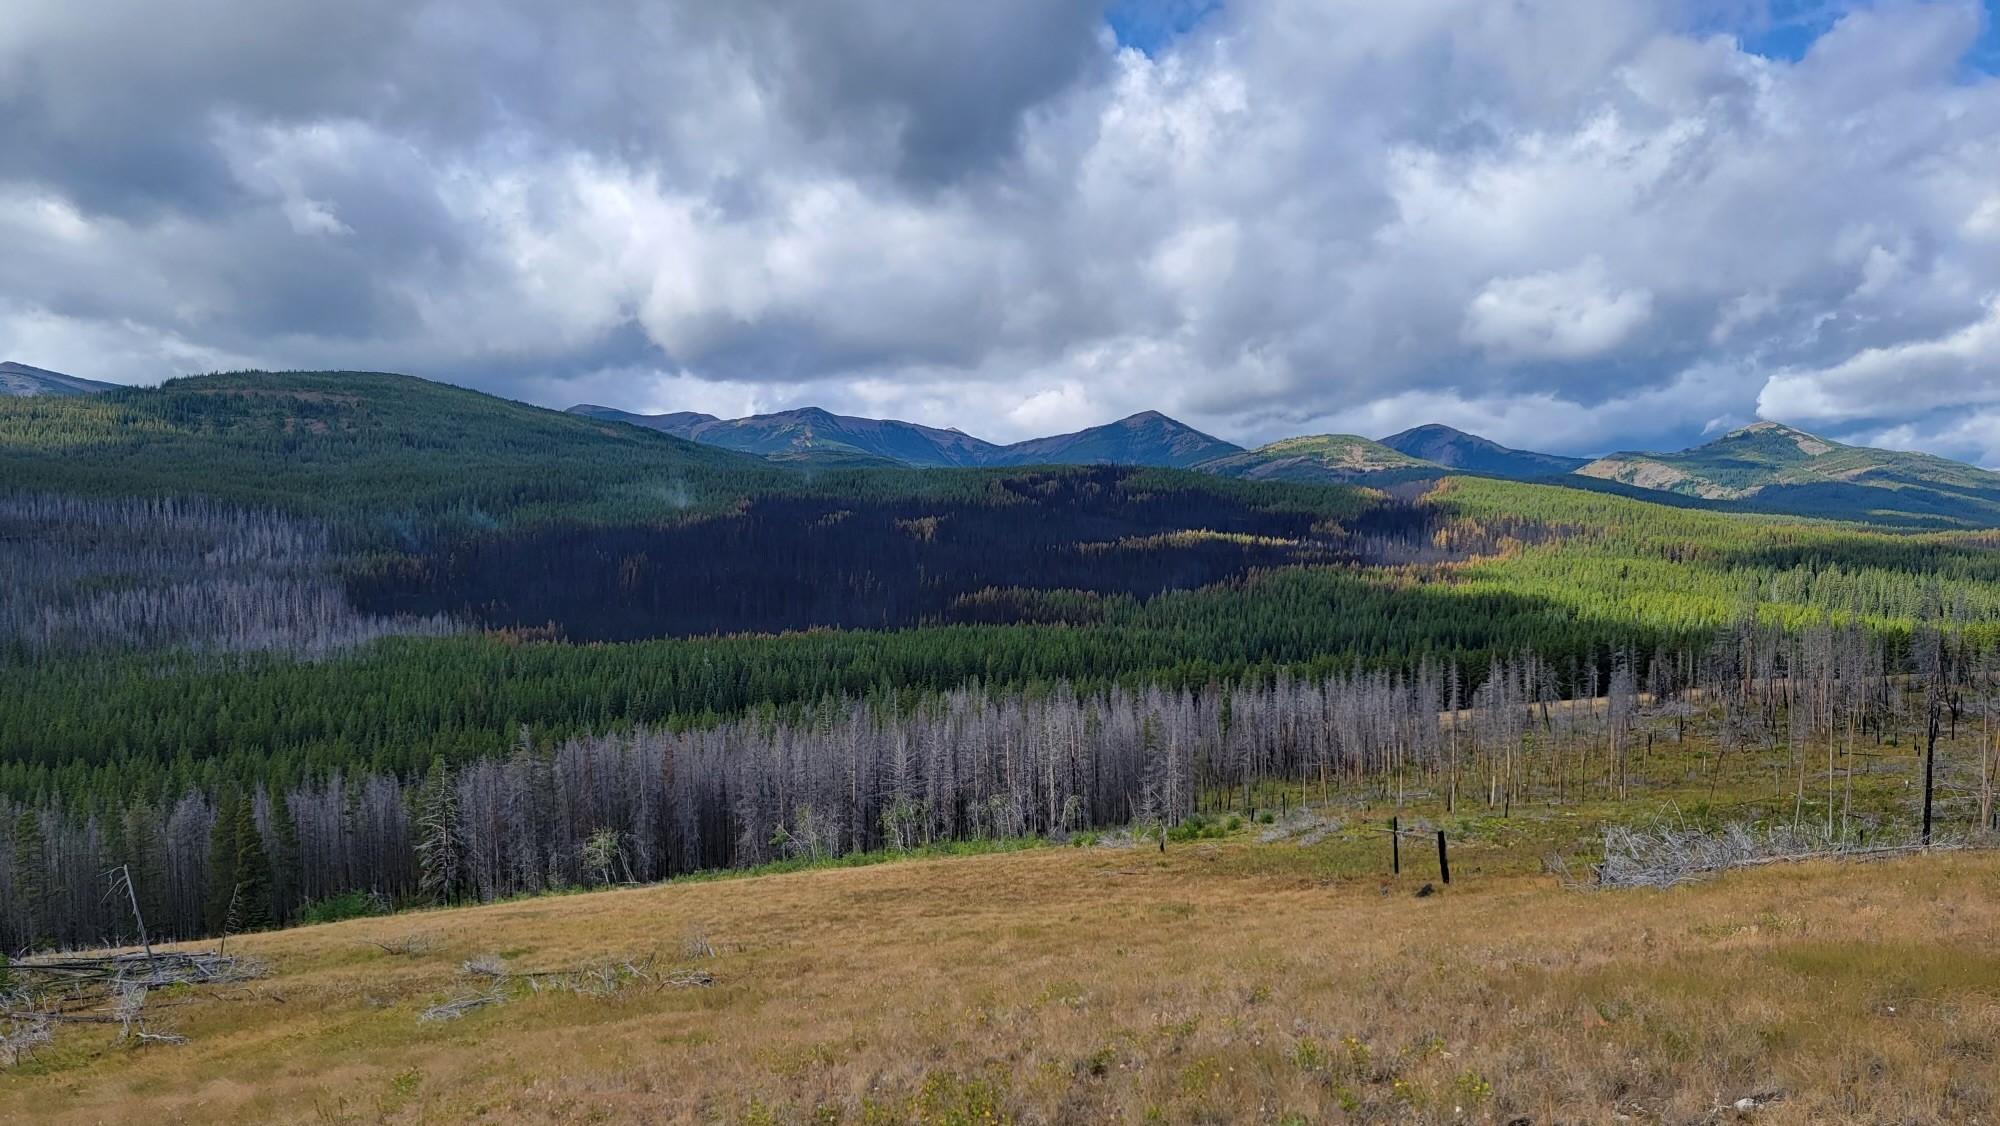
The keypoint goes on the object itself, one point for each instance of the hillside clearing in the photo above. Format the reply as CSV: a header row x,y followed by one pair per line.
x,y
1220,981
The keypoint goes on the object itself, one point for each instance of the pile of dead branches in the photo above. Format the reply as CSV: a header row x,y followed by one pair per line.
x,y
107,989
1665,855
136,969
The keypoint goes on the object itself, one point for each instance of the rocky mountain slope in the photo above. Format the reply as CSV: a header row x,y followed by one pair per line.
x,y
17,379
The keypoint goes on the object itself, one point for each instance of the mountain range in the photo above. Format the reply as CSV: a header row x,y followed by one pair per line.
x,y
816,436
21,380
812,435
1766,467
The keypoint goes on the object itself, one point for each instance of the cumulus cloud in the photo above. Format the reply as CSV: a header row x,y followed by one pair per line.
x,y
1567,315
1960,368
1577,224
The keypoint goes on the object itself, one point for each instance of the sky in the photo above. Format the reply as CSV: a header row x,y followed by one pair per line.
x,y
1570,225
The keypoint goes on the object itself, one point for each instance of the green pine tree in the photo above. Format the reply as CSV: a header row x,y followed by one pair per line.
x,y
253,871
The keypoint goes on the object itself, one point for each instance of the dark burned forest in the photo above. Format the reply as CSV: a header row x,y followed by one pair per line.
x,y
790,563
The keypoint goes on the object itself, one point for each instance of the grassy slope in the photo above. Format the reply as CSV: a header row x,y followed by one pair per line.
x,y
1222,982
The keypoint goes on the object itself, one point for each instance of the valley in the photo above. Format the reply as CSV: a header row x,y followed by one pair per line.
x,y
422,698
1051,563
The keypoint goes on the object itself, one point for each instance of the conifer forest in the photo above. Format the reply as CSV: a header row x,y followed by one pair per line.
x,y
268,654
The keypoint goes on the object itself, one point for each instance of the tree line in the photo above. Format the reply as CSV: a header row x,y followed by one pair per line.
x,y
902,771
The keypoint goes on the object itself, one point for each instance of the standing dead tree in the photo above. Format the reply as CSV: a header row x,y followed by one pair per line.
x,y
648,803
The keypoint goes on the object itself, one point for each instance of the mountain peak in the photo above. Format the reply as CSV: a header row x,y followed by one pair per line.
x,y
1456,449
1440,430
1324,457
1146,438
816,414
1808,444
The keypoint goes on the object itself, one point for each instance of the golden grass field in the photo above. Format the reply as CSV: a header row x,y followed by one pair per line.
x,y
1221,982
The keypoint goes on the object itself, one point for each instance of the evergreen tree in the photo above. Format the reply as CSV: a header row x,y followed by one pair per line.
x,y
253,871
285,873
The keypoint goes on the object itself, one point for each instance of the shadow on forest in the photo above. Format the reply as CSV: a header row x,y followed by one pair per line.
x,y
1038,547
1972,557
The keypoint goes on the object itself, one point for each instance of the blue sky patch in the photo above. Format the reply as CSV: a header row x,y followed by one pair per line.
x,y
1790,28
1151,25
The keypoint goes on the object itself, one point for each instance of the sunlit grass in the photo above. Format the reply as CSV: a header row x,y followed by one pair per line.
x,y
1224,979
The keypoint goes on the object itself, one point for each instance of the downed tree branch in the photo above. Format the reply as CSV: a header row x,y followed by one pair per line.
x,y
599,980
193,968
462,1004
406,945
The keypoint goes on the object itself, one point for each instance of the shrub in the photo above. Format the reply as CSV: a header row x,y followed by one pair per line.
x,y
346,905
1199,827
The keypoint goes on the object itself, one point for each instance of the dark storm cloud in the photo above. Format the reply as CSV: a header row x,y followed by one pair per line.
x,y
949,83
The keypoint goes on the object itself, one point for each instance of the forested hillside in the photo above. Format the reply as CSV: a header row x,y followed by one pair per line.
x,y
384,454
269,631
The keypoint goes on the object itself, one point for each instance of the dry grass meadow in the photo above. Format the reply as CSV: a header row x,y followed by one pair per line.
x,y
1221,982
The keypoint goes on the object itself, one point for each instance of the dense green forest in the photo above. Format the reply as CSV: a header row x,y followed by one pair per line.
x,y
1670,568
235,588
382,453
